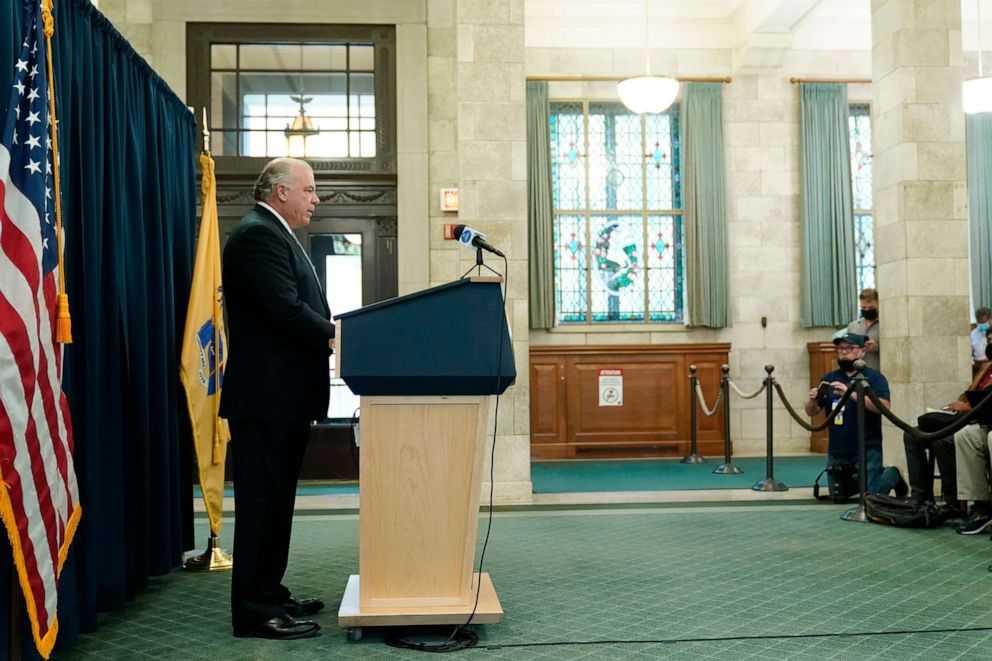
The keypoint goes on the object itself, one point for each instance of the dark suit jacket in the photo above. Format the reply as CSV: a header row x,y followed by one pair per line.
x,y
278,323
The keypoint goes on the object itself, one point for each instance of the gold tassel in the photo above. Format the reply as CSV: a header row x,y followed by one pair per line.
x,y
63,323
222,435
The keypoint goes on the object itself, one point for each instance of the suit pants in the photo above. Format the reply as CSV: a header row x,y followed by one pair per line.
x,y
266,458
971,450
920,457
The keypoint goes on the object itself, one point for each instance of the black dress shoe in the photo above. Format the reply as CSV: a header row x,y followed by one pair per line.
x,y
303,607
280,627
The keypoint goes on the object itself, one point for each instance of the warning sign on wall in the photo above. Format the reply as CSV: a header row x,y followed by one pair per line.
x,y
611,387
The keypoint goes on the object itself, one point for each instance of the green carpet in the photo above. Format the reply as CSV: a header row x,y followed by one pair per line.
x,y
627,475
667,474
724,583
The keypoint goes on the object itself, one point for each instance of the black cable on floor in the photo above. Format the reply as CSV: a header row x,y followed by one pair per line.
x,y
463,637
719,639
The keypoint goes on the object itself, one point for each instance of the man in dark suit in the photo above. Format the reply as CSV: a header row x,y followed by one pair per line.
x,y
275,384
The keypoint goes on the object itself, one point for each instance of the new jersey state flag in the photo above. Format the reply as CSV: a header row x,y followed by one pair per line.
x,y
204,354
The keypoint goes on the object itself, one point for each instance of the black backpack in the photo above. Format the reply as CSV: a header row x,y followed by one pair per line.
x,y
903,512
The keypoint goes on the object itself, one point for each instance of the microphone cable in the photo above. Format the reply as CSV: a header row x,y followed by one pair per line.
x,y
462,637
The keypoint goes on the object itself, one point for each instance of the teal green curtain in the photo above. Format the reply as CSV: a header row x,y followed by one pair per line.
x,y
540,231
129,207
704,210
828,279
979,146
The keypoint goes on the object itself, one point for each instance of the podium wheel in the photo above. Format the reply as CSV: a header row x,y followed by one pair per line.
x,y
354,634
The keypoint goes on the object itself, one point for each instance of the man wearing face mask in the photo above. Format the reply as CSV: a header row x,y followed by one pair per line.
x,y
843,445
867,324
978,339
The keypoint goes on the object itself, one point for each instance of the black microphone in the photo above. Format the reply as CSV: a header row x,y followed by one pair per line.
x,y
470,237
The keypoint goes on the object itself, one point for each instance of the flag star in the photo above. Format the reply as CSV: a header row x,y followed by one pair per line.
x,y
44,241
48,167
33,141
20,88
34,71
17,112
48,142
48,193
33,166
22,65
33,94
34,48
33,118
15,137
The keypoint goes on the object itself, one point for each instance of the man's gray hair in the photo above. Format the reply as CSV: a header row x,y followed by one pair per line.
x,y
275,173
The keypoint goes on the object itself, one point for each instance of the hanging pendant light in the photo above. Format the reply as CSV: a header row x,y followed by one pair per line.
x,y
647,93
302,126
976,94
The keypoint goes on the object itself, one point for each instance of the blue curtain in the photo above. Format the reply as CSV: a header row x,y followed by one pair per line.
x,y
979,144
129,210
829,271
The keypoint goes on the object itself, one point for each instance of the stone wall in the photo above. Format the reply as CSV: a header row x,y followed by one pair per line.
x,y
761,132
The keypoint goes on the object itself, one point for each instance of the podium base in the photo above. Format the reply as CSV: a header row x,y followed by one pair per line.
x,y
352,615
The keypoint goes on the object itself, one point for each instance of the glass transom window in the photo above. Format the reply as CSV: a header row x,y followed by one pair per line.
x,y
617,204
314,100
859,125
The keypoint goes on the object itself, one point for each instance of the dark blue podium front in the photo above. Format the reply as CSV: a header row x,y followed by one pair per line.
x,y
447,340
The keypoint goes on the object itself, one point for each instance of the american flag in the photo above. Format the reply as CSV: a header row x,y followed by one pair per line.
x,y
39,497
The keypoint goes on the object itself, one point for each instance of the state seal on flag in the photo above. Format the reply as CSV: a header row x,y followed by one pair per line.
x,y
208,373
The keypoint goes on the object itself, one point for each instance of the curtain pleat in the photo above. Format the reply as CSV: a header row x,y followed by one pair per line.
x,y
704,212
539,215
828,278
979,146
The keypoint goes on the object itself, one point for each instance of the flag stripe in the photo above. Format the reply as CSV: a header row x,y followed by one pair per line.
x,y
39,494
20,493
30,457
20,332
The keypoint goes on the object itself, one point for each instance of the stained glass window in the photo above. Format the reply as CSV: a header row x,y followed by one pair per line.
x,y
859,124
616,194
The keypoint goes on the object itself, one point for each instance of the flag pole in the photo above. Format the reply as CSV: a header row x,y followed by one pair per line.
x,y
214,558
63,323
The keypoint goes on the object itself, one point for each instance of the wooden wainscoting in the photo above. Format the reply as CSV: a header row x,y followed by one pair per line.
x,y
567,422
822,359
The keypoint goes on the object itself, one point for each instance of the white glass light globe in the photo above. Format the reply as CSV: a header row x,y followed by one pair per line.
x,y
644,94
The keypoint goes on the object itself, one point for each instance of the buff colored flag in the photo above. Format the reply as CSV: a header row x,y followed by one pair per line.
x,y
204,354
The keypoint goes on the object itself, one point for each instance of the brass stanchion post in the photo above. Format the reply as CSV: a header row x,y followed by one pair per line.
x,y
769,483
693,457
727,467
859,513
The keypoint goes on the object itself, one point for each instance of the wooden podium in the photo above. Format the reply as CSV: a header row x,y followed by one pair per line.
x,y
426,366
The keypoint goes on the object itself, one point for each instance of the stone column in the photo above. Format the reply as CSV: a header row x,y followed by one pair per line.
x,y
920,205
477,138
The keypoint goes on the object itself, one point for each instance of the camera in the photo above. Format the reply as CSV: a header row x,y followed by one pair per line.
x,y
843,481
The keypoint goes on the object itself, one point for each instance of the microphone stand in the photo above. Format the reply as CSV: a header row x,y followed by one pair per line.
x,y
479,264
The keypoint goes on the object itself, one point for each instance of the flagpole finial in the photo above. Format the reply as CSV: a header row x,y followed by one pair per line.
x,y
206,133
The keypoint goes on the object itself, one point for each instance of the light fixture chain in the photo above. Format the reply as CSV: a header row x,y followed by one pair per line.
x,y
978,6
647,43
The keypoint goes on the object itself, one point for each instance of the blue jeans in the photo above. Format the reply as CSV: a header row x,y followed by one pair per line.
x,y
880,480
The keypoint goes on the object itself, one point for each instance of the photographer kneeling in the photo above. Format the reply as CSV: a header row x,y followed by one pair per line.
x,y
842,450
